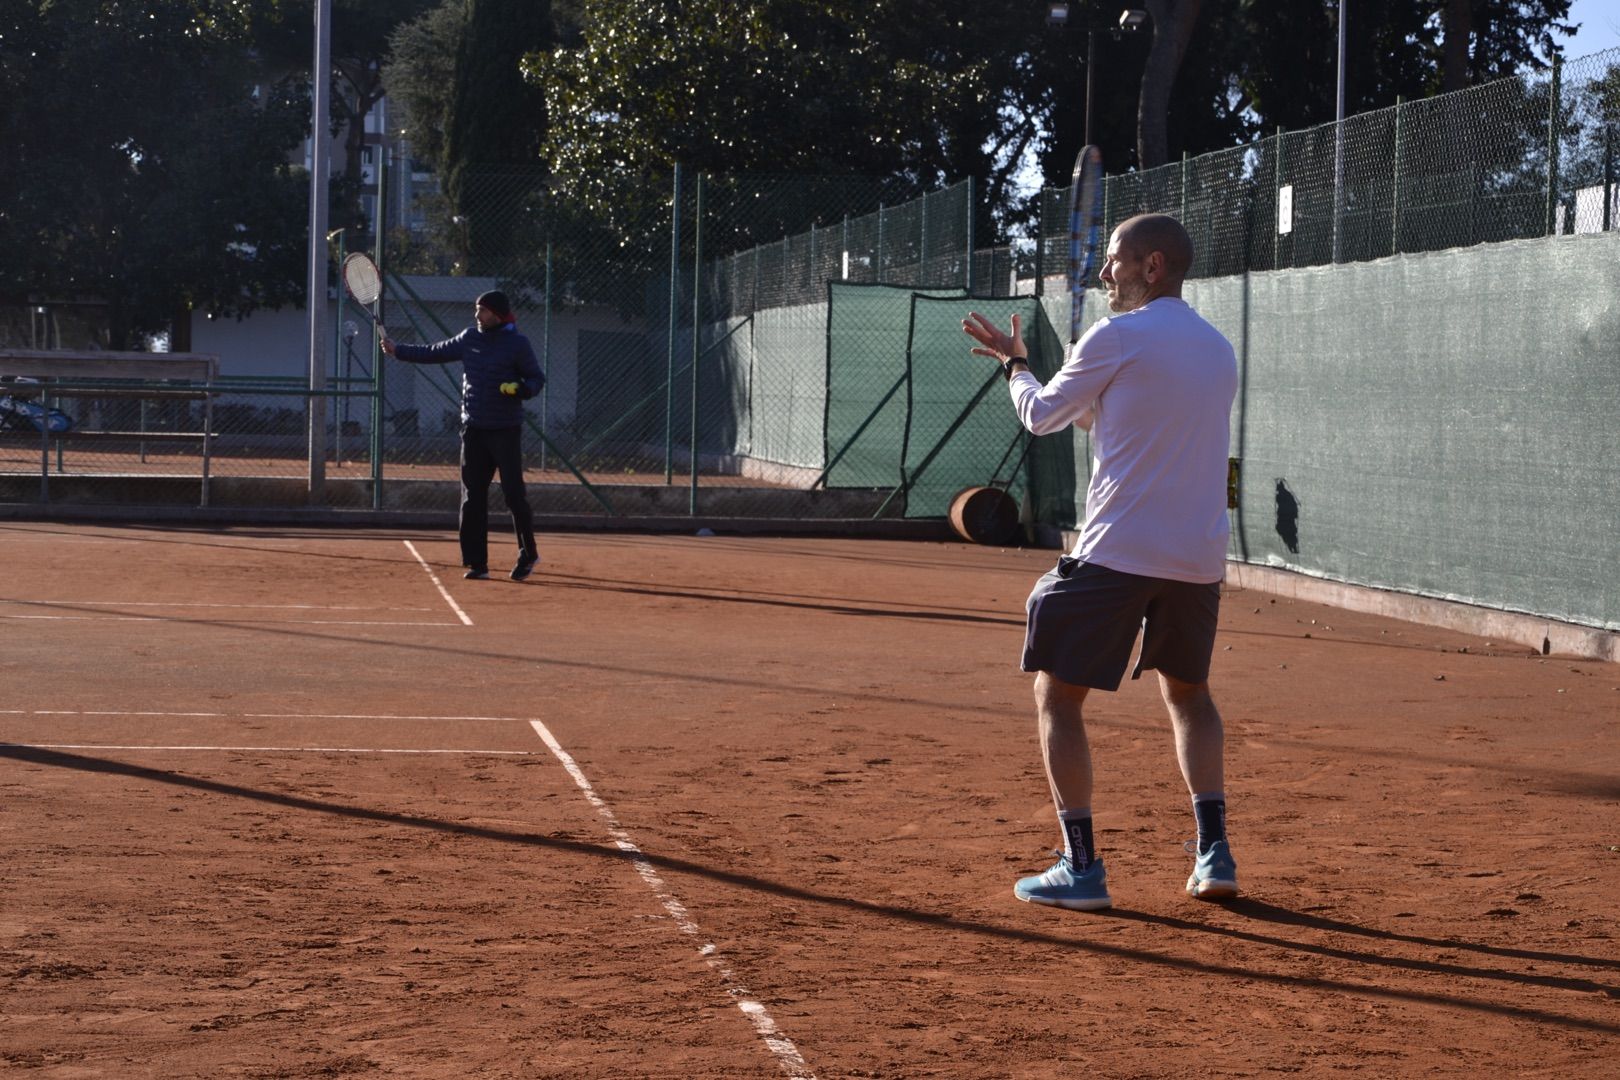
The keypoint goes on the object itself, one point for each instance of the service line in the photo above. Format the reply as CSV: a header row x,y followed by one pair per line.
x,y
779,1044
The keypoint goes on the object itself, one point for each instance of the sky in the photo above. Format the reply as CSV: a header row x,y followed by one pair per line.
x,y
1599,27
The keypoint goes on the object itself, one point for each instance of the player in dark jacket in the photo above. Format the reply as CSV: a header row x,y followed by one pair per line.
x,y
499,373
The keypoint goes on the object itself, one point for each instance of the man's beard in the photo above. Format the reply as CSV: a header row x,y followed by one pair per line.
x,y
1122,300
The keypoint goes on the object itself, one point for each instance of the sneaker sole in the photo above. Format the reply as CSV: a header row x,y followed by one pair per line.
x,y
1211,890
1071,905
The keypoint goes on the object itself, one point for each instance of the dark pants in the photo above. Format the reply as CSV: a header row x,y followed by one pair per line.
x,y
484,451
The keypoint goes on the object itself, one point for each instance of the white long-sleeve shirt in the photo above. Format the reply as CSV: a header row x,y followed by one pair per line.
x,y
1158,383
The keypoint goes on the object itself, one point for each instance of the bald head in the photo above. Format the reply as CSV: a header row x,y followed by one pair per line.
x,y
1144,234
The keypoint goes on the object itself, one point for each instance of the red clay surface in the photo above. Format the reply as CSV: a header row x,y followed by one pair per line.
x,y
824,755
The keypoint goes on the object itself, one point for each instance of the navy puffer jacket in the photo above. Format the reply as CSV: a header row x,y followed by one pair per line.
x,y
488,358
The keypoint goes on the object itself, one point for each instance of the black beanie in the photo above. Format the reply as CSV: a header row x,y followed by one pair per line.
x,y
496,302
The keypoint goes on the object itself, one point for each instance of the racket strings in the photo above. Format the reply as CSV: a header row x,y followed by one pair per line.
x,y
361,278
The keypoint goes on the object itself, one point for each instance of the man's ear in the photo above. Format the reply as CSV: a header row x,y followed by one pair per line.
x,y
1153,268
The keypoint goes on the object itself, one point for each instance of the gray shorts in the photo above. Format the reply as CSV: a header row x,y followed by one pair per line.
x,y
1083,620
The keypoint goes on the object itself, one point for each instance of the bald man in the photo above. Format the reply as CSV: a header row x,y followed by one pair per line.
x,y
1153,383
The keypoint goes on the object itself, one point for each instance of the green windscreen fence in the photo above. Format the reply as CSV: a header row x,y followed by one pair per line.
x,y
1445,423
788,388
868,339
963,431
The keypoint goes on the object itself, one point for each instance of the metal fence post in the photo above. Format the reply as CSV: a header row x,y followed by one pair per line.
x,y
1040,247
1276,205
339,298
1608,177
376,343
545,351
922,242
697,314
1395,189
674,316
877,256
1186,157
1554,91
843,258
969,282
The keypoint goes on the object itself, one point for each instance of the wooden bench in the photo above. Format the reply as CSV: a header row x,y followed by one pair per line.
x,y
61,374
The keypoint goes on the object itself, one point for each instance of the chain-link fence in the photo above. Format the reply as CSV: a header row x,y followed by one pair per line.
x,y
1534,155
768,346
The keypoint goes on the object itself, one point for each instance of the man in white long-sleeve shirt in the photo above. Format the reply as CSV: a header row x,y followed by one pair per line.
x,y
1153,383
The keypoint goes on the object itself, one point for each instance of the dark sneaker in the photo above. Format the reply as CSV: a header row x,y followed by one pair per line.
x,y
1214,875
476,573
1062,886
525,566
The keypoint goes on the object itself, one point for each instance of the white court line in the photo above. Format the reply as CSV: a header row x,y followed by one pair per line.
x,y
442,590
188,604
786,1053
265,749
245,716
244,621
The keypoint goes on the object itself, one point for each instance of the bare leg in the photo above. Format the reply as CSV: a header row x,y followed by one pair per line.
x,y
1063,741
1199,734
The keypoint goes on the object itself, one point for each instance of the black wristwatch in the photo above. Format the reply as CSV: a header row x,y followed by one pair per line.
x,y
1007,367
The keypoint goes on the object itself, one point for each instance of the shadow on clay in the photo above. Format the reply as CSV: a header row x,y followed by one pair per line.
x,y
1252,909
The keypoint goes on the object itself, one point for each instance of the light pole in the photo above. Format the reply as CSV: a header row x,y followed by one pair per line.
x,y
1130,20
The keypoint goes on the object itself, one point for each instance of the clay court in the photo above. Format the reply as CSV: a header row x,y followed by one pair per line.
x,y
304,803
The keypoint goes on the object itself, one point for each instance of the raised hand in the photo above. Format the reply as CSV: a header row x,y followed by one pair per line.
x,y
996,345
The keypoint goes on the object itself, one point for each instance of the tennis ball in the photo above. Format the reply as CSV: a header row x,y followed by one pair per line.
x,y
510,389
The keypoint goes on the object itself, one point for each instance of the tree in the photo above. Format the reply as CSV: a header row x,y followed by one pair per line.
x,y
1491,39
913,90
495,119
149,165
362,31
419,72
1173,22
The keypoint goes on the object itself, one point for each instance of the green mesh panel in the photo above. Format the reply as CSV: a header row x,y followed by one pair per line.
x,y
867,331
958,438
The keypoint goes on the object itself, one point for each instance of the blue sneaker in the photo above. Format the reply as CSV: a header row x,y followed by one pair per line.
x,y
1214,875
1062,887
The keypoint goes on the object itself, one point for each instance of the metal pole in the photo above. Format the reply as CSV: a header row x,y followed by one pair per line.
x,y
674,317
1608,178
697,315
379,253
877,257
969,282
1186,157
1554,91
337,344
922,243
320,168
1395,192
843,258
1276,203
1338,147
545,351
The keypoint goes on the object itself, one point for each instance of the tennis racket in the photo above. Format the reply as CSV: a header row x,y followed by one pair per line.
x,y
1085,228
364,282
